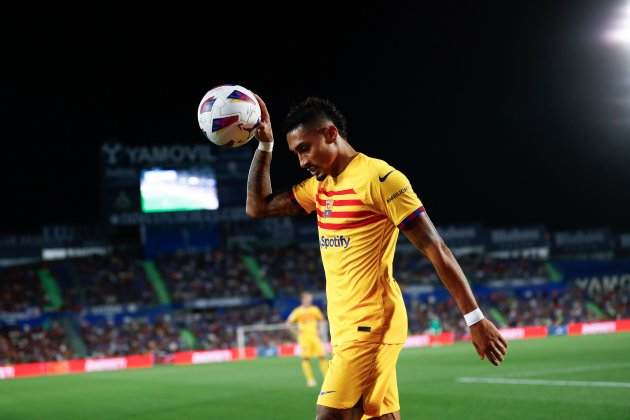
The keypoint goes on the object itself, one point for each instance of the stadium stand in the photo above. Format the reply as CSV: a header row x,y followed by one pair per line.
x,y
34,344
219,273
110,308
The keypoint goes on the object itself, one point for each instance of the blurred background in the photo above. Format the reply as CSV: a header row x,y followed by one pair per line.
x,y
512,121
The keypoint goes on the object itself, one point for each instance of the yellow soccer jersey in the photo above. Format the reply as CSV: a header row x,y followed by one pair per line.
x,y
306,318
358,213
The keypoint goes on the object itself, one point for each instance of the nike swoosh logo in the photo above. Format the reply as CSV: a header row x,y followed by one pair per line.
x,y
384,177
326,392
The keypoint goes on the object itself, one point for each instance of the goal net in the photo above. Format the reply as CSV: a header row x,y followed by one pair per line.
x,y
269,335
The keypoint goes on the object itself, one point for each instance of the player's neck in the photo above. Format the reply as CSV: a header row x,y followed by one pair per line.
x,y
345,156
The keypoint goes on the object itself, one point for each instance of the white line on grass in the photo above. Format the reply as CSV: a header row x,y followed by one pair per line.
x,y
575,369
508,381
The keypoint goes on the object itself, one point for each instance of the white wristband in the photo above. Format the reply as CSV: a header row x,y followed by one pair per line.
x,y
473,317
265,146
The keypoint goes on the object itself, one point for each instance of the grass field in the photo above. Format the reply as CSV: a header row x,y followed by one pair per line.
x,y
558,378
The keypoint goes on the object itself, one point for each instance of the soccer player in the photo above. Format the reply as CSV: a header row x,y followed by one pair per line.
x,y
361,204
307,317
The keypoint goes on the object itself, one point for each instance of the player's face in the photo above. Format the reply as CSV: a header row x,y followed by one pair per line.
x,y
307,299
316,149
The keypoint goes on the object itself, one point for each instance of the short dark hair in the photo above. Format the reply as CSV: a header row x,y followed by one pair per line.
x,y
312,110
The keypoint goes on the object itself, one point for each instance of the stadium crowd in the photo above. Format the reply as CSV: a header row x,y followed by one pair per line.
x,y
216,329
34,344
133,336
292,269
214,274
20,289
113,280
101,280
511,309
411,269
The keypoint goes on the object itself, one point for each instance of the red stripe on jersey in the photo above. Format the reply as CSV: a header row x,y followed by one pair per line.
x,y
362,213
340,192
364,222
341,202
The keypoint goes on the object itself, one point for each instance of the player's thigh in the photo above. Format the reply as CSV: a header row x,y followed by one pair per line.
x,y
381,395
354,413
349,373
329,413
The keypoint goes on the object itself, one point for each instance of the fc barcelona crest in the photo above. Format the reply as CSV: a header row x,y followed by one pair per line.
x,y
329,206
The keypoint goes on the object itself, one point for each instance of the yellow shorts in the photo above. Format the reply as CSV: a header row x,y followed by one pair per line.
x,y
311,346
360,369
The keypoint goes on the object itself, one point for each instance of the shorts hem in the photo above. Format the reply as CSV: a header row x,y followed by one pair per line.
x,y
389,411
341,406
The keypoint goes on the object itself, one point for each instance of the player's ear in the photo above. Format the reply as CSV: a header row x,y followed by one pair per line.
x,y
331,133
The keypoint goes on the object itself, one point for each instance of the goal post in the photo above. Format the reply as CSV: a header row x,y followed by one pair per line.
x,y
275,334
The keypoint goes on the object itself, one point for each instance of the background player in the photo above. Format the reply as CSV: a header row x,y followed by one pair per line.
x,y
307,318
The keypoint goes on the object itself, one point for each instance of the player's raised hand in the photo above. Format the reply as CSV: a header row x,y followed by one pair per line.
x,y
264,132
488,342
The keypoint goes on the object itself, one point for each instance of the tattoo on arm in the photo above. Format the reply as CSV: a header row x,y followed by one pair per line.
x,y
259,177
261,201
281,204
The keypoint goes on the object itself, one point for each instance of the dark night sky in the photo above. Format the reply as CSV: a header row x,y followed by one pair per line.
x,y
504,114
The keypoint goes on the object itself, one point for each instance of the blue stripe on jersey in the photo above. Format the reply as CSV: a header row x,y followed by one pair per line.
x,y
410,220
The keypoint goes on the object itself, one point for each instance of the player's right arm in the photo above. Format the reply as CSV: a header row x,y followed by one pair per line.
x,y
291,323
261,200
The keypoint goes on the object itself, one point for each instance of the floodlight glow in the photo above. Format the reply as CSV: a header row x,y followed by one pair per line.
x,y
620,32
618,36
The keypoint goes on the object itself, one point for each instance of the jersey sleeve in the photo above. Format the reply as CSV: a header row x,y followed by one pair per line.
x,y
396,198
305,194
293,317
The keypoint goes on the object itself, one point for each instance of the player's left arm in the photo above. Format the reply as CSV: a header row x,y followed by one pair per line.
x,y
321,320
293,329
485,337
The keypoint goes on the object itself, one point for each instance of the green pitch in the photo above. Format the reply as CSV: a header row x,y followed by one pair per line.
x,y
557,378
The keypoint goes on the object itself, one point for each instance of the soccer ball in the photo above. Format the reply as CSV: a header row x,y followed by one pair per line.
x,y
228,115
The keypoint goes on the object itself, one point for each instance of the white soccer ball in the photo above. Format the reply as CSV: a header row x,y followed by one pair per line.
x,y
228,115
